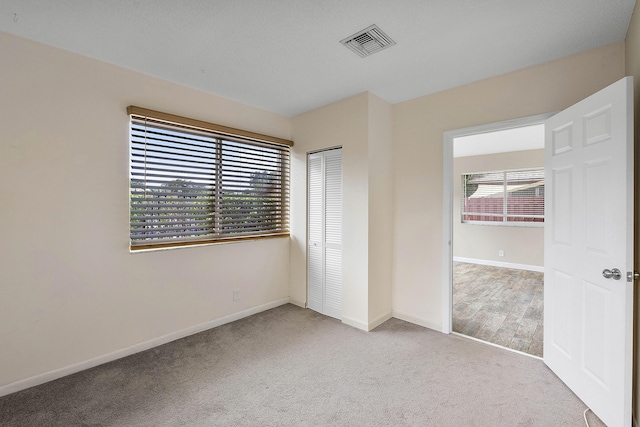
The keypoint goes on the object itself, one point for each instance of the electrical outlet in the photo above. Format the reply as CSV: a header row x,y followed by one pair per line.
x,y
236,295
500,252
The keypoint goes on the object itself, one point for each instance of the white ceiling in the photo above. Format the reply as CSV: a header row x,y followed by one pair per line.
x,y
285,56
514,139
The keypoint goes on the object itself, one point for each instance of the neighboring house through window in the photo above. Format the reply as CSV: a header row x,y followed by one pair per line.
x,y
513,197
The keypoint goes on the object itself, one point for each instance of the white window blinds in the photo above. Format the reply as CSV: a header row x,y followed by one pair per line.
x,y
503,197
193,185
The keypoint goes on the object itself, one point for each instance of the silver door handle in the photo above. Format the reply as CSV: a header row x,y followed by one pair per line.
x,y
613,273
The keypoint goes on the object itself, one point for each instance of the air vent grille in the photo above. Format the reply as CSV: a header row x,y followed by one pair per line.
x,y
368,41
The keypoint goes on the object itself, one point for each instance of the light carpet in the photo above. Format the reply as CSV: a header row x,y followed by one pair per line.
x,y
293,367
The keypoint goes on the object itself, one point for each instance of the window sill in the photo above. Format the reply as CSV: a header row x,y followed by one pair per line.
x,y
506,224
184,245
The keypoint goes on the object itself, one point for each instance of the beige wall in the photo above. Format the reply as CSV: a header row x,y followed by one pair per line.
x,y
632,68
344,124
361,125
417,158
380,210
521,245
70,290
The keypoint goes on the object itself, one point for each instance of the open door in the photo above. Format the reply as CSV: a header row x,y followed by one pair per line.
x,y
588,300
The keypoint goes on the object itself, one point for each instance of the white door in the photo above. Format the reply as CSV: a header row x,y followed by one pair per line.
x,y
589,233
324,251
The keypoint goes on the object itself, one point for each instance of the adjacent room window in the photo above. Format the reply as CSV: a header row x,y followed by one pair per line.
x,y
193,182
503,197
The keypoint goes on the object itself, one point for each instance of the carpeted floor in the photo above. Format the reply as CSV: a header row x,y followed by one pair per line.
x,y
290,367
500,305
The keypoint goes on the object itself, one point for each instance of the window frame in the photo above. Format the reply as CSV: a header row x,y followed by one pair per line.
x,y
226,158
505,211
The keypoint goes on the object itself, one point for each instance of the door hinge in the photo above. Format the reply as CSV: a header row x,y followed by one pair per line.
x,y
632,275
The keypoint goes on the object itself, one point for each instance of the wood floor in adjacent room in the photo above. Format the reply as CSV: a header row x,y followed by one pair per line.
x,y
499,305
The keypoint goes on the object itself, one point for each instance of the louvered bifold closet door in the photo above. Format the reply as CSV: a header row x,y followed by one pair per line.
x,y
324,252
333,233
315,262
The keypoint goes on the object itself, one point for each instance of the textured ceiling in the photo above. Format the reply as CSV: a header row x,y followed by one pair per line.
x,y
285,56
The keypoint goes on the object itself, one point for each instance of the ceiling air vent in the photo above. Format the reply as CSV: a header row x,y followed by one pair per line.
x,y
368,41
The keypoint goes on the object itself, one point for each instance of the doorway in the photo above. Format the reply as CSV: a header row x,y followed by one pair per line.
x,y
588,240
494,213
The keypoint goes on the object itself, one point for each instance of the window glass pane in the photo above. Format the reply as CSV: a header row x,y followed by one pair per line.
x,y
172,183
525,196
486,195
483,197
252,187
192,185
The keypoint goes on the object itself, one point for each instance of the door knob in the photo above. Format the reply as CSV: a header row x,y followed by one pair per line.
x,y
614,274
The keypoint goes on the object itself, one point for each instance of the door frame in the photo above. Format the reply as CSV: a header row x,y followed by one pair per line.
x,y
447,201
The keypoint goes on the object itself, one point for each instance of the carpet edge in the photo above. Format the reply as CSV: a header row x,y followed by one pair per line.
x,y
133,349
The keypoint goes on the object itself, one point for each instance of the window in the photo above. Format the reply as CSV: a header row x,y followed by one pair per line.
x,y
507,197
193,182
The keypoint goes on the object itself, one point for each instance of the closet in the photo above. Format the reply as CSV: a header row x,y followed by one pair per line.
x,y
324,252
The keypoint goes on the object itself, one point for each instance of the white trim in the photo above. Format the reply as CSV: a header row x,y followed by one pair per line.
x,y
355,323
380,320
128,351
417,320
447,231
447,201
500,264
297,303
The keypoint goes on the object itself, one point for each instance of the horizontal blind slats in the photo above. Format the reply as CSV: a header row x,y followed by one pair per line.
x,y
505,196
142,213
153,235
169,220
188,184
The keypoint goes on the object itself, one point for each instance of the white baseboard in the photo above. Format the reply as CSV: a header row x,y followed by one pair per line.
x,y
355,323
417,320
146,345
298,303
379,320
364,325
500,264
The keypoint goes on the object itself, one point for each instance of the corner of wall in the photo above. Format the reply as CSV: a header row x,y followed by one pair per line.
x,y
380,158
363,126
341,124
